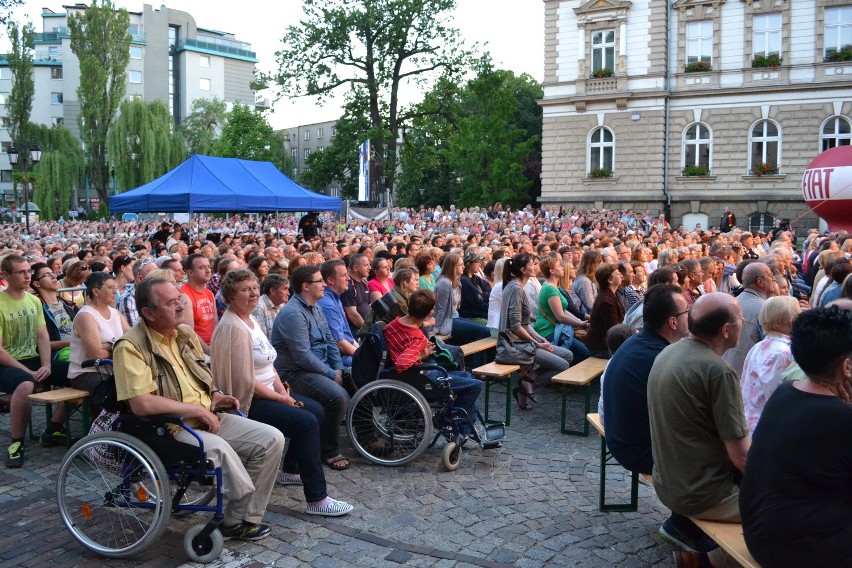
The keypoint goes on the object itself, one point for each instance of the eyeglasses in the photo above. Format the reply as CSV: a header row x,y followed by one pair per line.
x,y
85,269
46,275
21,272
320,281
146,261
686,311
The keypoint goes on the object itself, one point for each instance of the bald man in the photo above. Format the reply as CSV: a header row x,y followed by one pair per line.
x,y
699,435
759,284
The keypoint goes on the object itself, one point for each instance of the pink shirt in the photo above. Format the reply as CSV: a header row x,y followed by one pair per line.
x,y
762,373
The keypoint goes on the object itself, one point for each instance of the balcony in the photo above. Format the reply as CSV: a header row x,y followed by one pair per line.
x,y
220,46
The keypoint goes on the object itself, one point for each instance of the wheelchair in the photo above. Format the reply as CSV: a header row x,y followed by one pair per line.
x,y
393,418
117,489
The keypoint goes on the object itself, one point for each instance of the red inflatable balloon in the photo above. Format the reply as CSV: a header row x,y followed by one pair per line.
x,y
827,187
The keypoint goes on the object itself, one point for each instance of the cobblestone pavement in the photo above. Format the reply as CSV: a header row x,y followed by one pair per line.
x,y
532,503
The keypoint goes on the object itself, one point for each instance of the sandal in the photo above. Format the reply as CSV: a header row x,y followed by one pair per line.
x,y
517,392
530,394
337,463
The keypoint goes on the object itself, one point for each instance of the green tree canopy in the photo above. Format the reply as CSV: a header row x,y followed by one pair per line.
x,y
476,145
377,47
19,102
247,135
203,124
59,171
100,40
143,143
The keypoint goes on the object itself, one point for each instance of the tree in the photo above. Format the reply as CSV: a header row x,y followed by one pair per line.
x,y
59,171
249,136
143,144
474,145
6,7
19,103
100,40
203,124
376,46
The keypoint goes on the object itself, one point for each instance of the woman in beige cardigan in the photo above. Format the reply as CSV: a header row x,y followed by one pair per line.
x,y
242,365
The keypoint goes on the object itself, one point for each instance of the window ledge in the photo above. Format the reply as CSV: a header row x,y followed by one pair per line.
x,y
600,180
772,177
694,179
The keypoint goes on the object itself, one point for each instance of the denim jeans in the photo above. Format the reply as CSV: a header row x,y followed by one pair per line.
x,y
467,390
301,426
466,331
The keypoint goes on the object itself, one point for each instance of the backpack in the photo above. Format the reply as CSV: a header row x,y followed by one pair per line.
x,y
369,360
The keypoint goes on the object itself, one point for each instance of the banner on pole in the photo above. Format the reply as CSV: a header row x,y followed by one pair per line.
x,y
364,171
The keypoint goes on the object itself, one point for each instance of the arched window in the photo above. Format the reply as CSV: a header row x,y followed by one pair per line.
x,y
836,131
601,149
697,145
764,144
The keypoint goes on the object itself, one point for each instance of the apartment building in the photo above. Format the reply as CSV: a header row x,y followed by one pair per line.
x,y
172,59
302,141
690,106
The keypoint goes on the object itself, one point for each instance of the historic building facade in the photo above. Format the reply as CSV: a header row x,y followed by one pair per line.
x,y
690,106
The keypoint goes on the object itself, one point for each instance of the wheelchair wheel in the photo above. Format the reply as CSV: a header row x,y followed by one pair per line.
x,y
204,552
451,456
113,494
389,422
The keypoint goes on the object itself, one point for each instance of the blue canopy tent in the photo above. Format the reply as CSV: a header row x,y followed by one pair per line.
x,y
208,184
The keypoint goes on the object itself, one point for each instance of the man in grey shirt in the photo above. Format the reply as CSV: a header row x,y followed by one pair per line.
x,y
308,357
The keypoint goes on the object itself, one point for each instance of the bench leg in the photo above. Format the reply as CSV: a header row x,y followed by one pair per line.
x,y
85,419
508,415
48,414
606,461
587,406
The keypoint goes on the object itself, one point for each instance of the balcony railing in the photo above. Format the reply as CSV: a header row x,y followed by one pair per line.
x,y
606,85
221,46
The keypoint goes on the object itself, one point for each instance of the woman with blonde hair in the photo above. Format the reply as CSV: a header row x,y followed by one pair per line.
x,y
75,274
768,359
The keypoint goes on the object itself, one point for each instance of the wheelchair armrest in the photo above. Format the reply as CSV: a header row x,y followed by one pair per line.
x,y
153,419
423,368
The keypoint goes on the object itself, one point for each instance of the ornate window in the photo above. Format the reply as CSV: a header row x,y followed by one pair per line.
x,y
764,143
601,149
836,131
697,145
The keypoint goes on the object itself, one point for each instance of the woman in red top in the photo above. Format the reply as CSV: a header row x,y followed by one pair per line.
x,y
407,346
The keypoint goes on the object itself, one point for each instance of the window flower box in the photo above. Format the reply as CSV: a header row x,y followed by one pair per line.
x,y
600,173
764,169
843,54
763,61
698,67
695,171
602,73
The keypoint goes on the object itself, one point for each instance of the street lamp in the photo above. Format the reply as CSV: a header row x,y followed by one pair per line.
x,y
34,158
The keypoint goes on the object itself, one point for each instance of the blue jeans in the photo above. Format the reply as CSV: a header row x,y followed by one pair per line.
x,y
467,390
577,348
465,331
301,426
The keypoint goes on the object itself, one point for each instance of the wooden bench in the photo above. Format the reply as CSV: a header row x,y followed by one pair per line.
x,y
478,346
71,398
729,536
608,461
580,375
494,373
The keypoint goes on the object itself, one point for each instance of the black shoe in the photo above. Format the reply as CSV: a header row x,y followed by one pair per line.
x,y
55,438
15,456
672,535
245,531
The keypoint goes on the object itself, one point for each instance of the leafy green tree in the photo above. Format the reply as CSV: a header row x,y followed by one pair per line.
x,y
6,7
19,103
203,124
60,170
376,46
143,144
100,40
247,135
474,145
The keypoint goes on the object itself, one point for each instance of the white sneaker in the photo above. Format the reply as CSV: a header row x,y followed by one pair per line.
x,y
334,508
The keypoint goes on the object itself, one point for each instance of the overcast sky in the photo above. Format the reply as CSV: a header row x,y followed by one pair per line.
x,y
511,30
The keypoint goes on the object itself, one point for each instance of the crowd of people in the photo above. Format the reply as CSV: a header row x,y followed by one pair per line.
x,y
704,328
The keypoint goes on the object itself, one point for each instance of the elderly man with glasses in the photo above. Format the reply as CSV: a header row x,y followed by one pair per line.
x,y
127,304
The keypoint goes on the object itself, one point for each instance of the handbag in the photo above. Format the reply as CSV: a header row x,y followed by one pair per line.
x,y
510,351
443,356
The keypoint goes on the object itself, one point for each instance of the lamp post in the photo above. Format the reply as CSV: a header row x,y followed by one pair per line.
x,y
33,158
